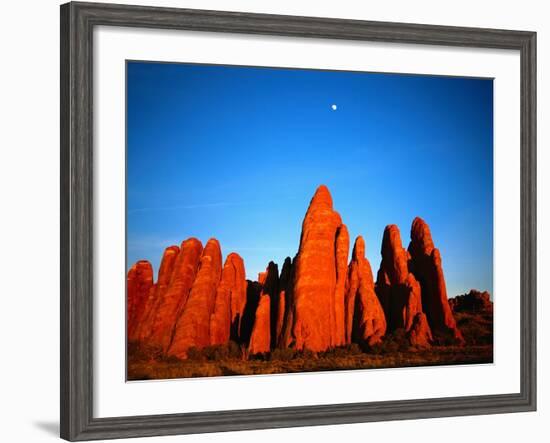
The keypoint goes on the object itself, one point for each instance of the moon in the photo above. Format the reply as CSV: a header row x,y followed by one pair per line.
x,y
334,107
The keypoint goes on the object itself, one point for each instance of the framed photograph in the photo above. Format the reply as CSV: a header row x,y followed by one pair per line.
x,y
273,221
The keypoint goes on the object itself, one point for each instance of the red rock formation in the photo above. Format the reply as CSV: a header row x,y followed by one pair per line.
x,y
220,320
230,301
271,288
420,334
171,302
426,265
342,253
178,280
145,326
365,319
280,318
315,275
286,339
193,326
138,286
253,291
282,303
318,302
237,283
396,288
394,257
260,340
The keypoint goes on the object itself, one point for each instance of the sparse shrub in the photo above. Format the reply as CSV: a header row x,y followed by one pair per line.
x,y
289,354
196,354
332,353
216,352
138,351
234,350
444,338
244,352
354,349
477,329
285,354
261,356
342,351
170,359
396,341
306,354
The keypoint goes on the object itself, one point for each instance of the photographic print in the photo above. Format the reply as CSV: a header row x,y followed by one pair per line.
x,y
294,220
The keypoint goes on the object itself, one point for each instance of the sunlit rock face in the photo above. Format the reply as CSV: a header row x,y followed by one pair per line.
x,y
139,283
282,305
365,319
193,326
398,290
322,299
230,301
260,340
286,339
342,253
145,326
427,267
420,334
173,293
315,279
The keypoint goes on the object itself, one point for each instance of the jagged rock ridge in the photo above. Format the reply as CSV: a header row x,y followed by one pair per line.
x,y
319,301
474,301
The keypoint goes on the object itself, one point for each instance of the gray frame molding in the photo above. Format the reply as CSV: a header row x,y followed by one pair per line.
x,y
77,23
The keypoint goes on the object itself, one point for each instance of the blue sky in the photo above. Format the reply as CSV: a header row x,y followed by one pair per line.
x,y
236,153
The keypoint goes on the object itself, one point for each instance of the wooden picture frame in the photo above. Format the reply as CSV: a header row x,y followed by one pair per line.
x,y
77,23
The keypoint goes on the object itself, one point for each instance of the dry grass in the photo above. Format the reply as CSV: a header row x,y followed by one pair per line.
x,y
144,365
477,328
